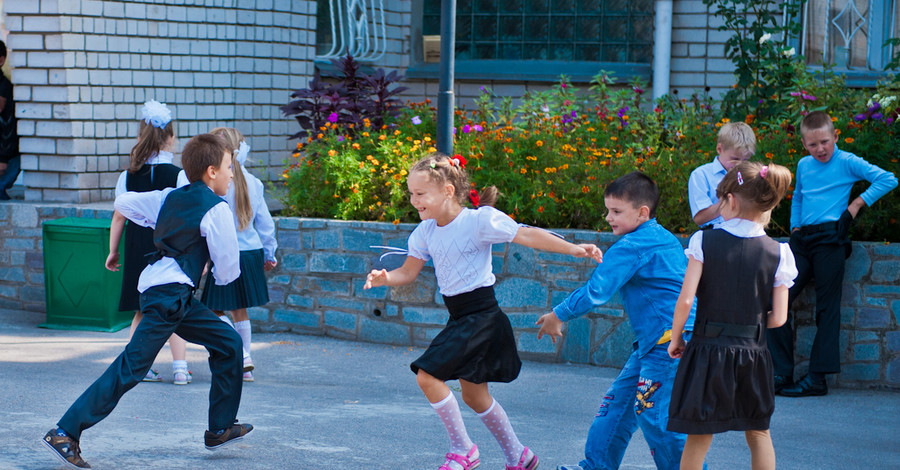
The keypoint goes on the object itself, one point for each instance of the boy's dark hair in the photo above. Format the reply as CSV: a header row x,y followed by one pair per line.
x,y
202,152
816,120
636,188
2,49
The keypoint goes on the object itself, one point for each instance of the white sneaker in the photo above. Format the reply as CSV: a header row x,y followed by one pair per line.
x,y
183,377
248,376
248,364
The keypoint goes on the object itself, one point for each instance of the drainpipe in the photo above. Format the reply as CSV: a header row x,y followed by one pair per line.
x,y
445,103
662,48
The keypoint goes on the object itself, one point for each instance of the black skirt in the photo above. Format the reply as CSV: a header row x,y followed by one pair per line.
x,y
722,384
477,345
248,290
138,243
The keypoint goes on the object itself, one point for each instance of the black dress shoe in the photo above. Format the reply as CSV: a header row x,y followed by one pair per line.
x,y
806,388
782,382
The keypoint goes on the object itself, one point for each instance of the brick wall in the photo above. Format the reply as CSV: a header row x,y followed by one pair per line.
x,y
82,68
317,289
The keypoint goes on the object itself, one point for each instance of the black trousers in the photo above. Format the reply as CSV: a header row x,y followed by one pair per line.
x,y
820,252
167,309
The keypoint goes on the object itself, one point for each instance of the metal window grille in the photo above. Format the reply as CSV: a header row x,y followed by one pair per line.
x,y
849,34
356,27
565,30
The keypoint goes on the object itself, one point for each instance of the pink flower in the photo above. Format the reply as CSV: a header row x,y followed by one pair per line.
x,y
333,117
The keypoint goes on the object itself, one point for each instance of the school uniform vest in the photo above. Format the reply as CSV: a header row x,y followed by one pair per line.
x,y
739,278
177,233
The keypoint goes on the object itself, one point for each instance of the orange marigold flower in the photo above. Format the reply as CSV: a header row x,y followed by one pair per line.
x,y
382,137
849,140
541,209
770,155
332,153
585,189
355,146
539,143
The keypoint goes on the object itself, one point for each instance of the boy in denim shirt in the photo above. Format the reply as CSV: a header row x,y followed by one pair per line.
x,y
820,221
647,266
736,143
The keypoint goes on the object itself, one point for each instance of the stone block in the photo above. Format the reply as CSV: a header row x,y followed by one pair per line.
x,y
524,320
259,314
18,244
520,260
613,343
886,271
334,286
373,293
425,315
299,301
893,372
343,303
337,263
287,223
873,318
423,290
848,316
857,266
867,352
293,317
521,292
12,274
889,250
294,262
528,343
386,332
360,240
327,240
576,344
340,320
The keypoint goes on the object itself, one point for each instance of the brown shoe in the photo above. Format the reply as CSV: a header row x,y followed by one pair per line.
x,y
231,435
65,448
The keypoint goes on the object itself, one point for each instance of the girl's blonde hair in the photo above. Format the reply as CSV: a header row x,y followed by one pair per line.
x,y
442,169
759,187
151,140
242,208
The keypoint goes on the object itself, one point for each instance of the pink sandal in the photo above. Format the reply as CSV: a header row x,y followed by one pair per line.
x,y
465,461
531,465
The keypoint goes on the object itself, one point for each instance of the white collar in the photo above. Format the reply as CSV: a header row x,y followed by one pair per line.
x,y
742,228
161,157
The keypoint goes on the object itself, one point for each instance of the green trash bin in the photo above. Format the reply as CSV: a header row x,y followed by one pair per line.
x,y
81,293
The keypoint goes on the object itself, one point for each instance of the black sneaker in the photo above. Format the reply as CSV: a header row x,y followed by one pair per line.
x,y
231,435
65,448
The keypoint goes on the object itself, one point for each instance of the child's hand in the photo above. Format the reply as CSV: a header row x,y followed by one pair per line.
x,y
589,250
676,347
270,265
112,261
550,325
376,278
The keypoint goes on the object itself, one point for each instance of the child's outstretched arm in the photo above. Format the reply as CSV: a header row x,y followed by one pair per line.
x,y
550,325
546,241
778,315
683,306
116,227
398,277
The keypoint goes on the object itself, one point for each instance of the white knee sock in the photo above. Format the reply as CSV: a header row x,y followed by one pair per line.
x,y
498,424
243,329
448,410
225,319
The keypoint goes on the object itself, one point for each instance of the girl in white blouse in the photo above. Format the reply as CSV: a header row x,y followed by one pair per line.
x,y
256,237
477,346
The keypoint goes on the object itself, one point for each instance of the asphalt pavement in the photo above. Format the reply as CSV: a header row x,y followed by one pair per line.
x,y
320,403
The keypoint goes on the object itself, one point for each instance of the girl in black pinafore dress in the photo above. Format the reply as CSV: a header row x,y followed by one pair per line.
x,y
151,169
740,278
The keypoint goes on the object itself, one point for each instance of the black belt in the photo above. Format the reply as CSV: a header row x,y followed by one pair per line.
x,y
714,329
824,226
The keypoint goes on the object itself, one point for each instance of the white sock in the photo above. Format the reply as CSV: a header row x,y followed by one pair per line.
x,y
243,329
498,424
176,365
225,319
448,410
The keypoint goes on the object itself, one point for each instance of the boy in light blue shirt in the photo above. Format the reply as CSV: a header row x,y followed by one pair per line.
x,y
736,143
646,265
820,221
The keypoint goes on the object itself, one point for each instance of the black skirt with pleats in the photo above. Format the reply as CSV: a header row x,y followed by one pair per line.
x,y
477,345
248,290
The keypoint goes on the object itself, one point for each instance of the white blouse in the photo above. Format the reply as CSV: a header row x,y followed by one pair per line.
x,y
261,231
157,158
462,249
787,268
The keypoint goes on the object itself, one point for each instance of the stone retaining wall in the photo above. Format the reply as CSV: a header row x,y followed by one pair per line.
x,y
317,289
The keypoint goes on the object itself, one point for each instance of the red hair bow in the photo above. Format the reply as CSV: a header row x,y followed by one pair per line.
x,y
474,198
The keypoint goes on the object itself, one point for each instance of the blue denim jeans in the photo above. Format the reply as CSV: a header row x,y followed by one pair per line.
x,y
12,172
639,396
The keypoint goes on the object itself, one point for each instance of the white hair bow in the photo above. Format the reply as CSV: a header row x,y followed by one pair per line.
x,y
156,114
240,155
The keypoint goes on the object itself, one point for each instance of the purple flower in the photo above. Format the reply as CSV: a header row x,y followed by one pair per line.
x,y
860,117
795,93
875,106
416,120
877,116
809,97
333,117
340,138
759,102
889,120
574,114
623,111
483,90
466,129
477,128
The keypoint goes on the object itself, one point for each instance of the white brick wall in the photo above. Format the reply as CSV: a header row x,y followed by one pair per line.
x,y
82,68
